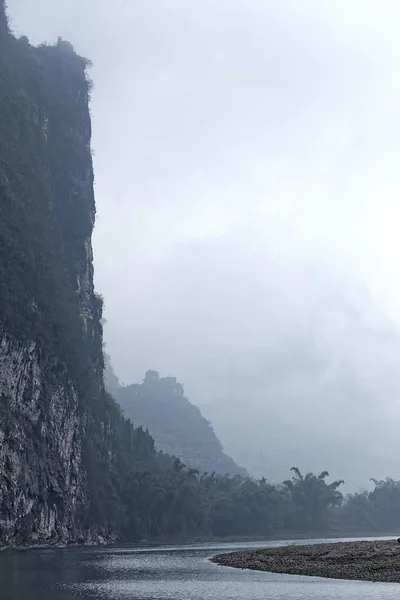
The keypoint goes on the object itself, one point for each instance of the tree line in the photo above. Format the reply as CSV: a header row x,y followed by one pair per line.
x,y
145,494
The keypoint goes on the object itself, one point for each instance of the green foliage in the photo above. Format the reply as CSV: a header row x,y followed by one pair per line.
x,y
156,496
377,510
309,500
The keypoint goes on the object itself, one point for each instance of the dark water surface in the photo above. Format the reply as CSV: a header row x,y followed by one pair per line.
x,y
163,573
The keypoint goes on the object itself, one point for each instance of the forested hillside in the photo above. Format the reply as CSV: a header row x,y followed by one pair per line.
x,y
177,426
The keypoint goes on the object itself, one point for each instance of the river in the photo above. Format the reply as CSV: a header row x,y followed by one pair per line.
x,y
163,573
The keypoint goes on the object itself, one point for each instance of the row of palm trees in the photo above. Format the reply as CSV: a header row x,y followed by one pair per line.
x,y
147,494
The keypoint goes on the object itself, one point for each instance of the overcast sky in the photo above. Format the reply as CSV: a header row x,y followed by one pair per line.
x,y
241,147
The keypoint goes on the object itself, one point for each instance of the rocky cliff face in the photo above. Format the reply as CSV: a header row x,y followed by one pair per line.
x,y
51,363
42,482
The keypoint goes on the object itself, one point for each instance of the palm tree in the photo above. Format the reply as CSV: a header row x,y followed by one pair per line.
x,y
312,498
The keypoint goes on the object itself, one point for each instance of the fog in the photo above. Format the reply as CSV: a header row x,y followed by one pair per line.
x,y
247,184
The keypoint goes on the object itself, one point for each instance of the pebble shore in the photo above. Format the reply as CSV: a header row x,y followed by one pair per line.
x,y
364,560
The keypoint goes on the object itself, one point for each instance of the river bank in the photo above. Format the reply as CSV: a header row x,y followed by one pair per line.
x,y
110,542
362,560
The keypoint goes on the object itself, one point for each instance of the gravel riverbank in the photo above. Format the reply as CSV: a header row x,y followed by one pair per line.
x,y
364,560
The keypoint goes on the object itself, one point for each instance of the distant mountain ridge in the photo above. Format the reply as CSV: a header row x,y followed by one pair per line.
x,y
177,426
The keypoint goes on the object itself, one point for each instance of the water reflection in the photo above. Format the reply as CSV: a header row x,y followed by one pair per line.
x,y
162,573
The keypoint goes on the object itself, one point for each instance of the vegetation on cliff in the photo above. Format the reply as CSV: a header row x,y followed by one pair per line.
x,y
47,203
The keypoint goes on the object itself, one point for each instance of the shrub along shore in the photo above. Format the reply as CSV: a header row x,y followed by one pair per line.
x,y
362,560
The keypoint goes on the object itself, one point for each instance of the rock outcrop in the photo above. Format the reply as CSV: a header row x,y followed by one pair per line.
x,y
42,482
52,397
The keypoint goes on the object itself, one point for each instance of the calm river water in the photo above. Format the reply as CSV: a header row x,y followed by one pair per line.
x,y
163,573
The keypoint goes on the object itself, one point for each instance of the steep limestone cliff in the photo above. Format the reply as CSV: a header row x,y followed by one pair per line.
x,y
42,483
51,364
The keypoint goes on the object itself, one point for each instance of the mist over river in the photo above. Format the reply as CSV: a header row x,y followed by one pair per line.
x,y
181,572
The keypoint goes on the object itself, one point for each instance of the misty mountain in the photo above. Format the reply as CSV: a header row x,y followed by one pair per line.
x,y
283,348
177,426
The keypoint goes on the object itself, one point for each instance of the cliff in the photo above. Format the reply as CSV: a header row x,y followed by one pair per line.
x,y
55,418
177,426
72,468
